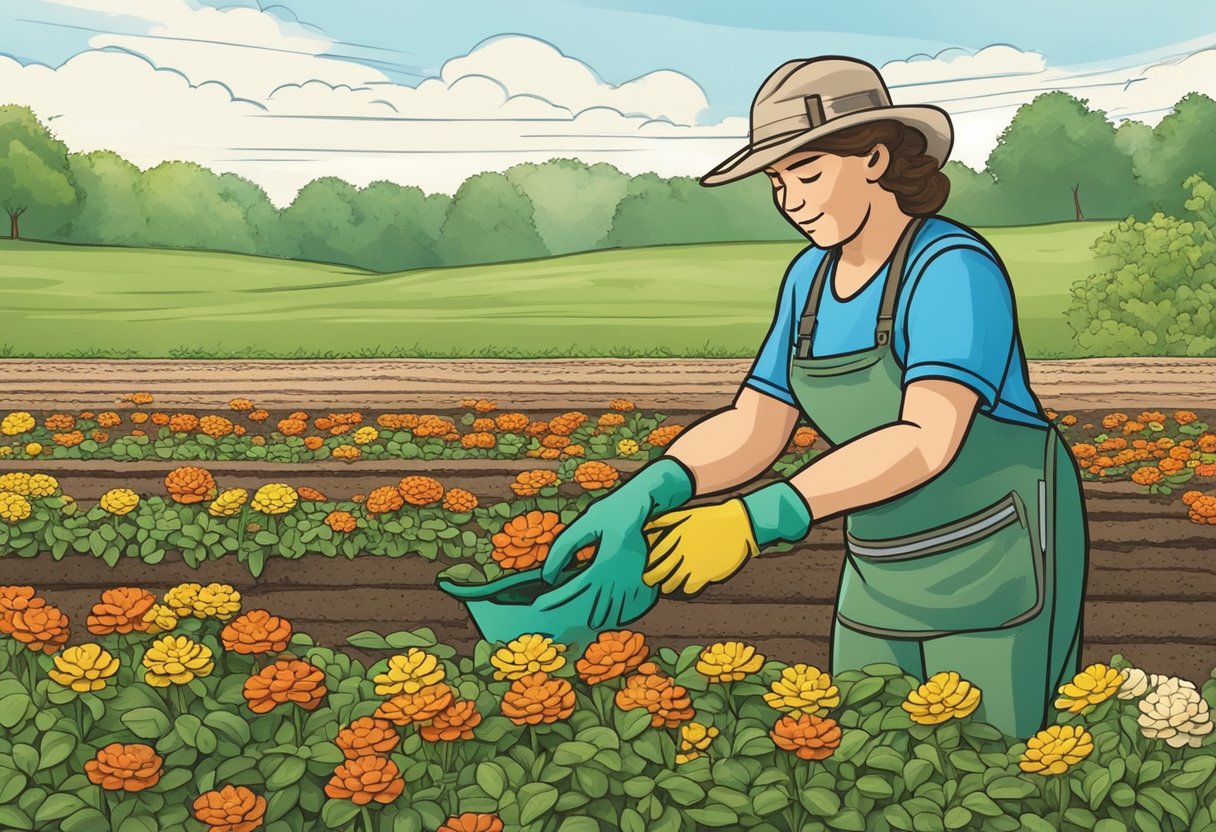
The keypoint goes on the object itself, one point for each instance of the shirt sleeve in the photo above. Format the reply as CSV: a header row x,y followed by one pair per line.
x,y
960,323
771,371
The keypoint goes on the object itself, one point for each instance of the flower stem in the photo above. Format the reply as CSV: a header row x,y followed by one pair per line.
x,y
367,820
1064,798
181,699
297,721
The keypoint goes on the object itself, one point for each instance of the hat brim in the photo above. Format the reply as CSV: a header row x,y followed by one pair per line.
x,y
932,121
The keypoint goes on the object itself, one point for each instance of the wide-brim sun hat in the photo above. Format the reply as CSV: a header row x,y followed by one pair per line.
x,y
805,99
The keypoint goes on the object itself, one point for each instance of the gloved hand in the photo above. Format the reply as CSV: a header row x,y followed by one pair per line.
x,y
691,548
614,523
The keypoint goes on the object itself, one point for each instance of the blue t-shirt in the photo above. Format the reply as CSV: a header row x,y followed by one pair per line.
x,y
954,318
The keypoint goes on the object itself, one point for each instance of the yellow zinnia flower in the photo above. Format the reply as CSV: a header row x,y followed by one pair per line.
x,y
17,422
627,447
228,503
83,667
1056,748
160,619
42,485
215,600
18,482
1093,685
409,673
729,661
365,434
180,599
527,654
942,696
275,498
119,500
695,737
13,507
176,660
801,689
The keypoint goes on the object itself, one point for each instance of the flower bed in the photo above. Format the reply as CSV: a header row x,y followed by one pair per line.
x,y
186,710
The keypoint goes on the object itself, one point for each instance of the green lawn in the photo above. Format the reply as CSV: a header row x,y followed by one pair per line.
x,y
690,300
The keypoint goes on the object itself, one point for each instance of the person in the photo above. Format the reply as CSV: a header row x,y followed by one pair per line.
x,y
895,335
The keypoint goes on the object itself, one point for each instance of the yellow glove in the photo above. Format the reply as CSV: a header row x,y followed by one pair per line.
x,y
698,546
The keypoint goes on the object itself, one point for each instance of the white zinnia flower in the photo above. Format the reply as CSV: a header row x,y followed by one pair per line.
x,y
1175,712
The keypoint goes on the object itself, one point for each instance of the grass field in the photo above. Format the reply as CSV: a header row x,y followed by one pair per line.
x,y
66,301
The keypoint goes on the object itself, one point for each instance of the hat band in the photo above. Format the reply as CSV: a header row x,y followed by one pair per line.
x,y
814,114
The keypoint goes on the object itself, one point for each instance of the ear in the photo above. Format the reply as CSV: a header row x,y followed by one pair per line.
x,y
877,162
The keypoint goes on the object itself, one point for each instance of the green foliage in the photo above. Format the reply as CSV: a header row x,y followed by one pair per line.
x,y
34,170
1158,294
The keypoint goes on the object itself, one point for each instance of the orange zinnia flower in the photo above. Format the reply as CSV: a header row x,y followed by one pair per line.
x,y
511,422
668,703
455,722
538,698
123,767
190,484
42,628
472,822
230,809
459,501
255,632
664,435
525,539
14,598
365,779
528,483
384,499
341,521
425,704
613,653
595,474
420,491
287,680
121,610
367,735
810,737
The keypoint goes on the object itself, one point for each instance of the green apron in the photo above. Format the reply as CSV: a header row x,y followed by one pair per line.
x,y
981,569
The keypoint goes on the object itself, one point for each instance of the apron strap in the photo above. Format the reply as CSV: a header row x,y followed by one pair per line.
x,y
886,312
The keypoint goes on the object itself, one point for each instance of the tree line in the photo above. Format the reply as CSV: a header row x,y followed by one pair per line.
x,y
1057,160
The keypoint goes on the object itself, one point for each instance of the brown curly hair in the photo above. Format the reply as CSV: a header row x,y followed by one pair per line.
x,y
919,185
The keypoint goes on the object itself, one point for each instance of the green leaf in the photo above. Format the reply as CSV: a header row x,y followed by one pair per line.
x,y
714,816
138,823
862,690
579,824
55,748
820,801
492,779
57,806
87,819
368,640
1010,788
871,785
573,753
422,637
288,771
229,725
534,800
26,757
1195,772
849,820
146,723
14,706
336,812
682,789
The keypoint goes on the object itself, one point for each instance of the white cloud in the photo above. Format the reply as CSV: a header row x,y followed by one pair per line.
x,y
982,92
242,90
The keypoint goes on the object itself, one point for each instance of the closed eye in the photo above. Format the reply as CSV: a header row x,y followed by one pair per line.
x,y
810,178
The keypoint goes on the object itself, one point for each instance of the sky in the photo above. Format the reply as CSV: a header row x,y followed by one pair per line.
x,y
428,94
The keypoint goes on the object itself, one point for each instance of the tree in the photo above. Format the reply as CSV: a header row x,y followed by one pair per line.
x,y
34,169
489,221
110,209
403,225
1053,144
572,201
185,207
971,199
1181,145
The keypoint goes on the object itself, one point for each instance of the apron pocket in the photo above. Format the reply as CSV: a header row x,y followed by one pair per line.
x,y
977,573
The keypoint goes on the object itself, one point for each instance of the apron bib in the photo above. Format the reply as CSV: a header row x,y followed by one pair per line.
x,y
964,551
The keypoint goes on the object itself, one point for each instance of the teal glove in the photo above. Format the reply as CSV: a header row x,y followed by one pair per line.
x,y
662,485
778,512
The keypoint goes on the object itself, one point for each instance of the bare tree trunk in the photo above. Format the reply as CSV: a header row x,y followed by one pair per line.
x,y
1076,201
12,225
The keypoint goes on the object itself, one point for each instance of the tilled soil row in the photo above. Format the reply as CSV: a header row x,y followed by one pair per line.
x,y
546,384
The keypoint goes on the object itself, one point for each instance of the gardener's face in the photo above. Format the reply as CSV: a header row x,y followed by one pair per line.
x,y
826,196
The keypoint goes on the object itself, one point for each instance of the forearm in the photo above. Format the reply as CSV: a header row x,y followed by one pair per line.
x,y
869,469
722,452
